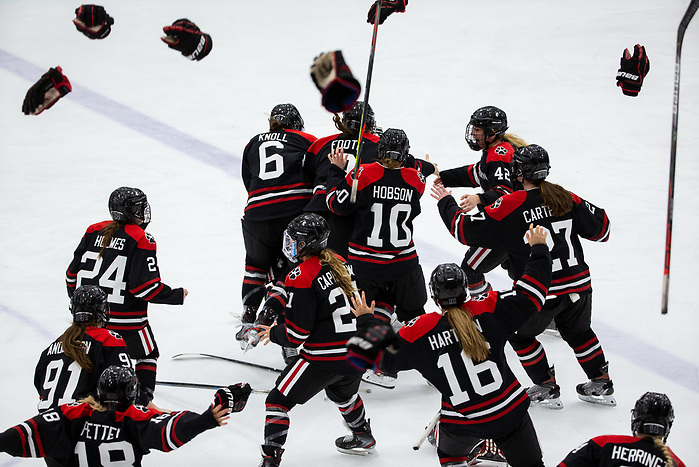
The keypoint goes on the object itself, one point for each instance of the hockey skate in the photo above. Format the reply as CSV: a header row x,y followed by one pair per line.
x,y
384,380
486,452
246,320
548,393
289,353
598,390
359,443
271,457
552,329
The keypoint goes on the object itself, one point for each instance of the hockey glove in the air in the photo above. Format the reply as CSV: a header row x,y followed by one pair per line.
x,y
51,86
632,70
388,7
93,21
366,347
186,37
333,78
233,397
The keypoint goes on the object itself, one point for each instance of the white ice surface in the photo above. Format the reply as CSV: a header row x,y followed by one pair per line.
x,y
142,115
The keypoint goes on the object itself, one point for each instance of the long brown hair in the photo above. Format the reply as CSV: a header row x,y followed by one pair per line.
x,y
470,338
108,233
72,343
557,198
342,128
276,125
339,272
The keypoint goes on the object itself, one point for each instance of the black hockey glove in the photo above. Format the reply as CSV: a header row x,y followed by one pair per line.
x,y
233,397
365,349
93,21
632,71
186,37
333,78
388,7
51,86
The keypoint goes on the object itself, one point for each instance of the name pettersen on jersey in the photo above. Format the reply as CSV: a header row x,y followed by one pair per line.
x,y
393,193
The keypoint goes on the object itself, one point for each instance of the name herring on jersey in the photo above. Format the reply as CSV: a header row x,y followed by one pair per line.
x,y
505,223
483,399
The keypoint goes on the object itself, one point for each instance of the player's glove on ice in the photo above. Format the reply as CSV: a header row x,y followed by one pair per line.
x,y
388,7
93,21
365,349
233,397
333,78
186,37
632,71
51,86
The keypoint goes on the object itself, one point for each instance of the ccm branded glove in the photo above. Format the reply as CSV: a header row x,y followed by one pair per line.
x,y
632,71
365,348
186,37
333,78
388,7
233,397
51,86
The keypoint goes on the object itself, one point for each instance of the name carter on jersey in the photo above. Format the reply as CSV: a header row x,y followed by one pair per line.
x,y
537,213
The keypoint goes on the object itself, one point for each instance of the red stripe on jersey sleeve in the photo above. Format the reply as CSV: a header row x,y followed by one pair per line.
x,y
414,330
507,205
501,152
37,438
105,337
413,178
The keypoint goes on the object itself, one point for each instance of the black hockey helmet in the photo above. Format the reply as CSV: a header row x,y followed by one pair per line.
x,y
448,285
127,204
531,163
117,388
288,115
307,233
652,415
492,120
394,145
352,118
89,303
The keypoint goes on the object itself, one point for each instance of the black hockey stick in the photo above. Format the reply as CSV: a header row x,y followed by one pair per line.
x,y
370,69
691,10
427,431
254,365
182,384
228,359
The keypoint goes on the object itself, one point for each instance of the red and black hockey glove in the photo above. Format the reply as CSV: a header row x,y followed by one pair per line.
x,y
186,37
233,397
365,349
51,86
632,71
388,7
333,78
93,21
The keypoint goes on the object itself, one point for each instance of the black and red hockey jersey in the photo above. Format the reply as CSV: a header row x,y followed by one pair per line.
x,y
317,160
59,379
87,437
618,451
505,223
492,173
381,244
483,399
273,172
317,316
127,271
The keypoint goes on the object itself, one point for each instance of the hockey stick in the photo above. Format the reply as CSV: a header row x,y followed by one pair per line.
x,y
254,365
691,10
370,69
427,431
228,359
181,384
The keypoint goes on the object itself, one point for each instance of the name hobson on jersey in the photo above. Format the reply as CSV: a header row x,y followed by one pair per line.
x,y
393,192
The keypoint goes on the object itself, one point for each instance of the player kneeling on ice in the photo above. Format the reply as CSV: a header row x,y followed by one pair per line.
x,y
113,426
651,420
461,353
317,315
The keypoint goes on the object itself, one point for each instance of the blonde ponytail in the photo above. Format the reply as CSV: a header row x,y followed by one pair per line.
x,y
514,140
472,341
660,445
339,272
